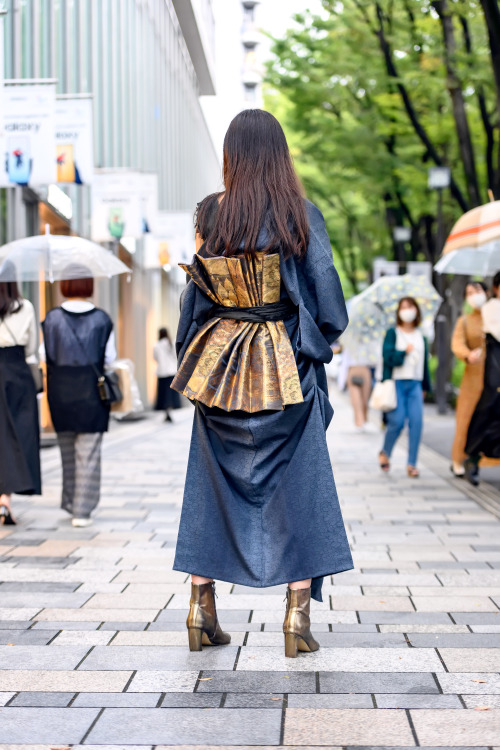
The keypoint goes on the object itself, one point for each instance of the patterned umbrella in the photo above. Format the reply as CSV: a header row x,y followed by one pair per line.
x,y
473,246
373,311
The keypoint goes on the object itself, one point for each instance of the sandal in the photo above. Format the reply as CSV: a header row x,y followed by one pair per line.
x,y
383,460
413,472
6,517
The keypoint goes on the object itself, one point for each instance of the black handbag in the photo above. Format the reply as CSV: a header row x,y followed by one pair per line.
x,y
107,383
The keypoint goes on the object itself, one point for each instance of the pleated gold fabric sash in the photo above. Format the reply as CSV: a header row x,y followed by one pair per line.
x,y
235,365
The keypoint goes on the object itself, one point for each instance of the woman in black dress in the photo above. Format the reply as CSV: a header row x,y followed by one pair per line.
x,y
19,429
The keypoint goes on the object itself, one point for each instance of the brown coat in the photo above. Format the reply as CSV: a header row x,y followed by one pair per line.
x,y
468,335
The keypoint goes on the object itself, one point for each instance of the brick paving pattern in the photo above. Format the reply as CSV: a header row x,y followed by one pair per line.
x,y
93,647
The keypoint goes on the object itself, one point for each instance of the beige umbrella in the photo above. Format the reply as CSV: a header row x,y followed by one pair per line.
x,y
473,246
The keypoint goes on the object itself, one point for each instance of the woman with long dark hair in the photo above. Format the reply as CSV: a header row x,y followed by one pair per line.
x,y
262,307
19,428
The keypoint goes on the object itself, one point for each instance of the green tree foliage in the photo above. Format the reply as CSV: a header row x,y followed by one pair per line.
x,y
372,94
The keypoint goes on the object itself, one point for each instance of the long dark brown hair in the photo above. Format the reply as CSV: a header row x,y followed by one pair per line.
x,y
262,190
10,298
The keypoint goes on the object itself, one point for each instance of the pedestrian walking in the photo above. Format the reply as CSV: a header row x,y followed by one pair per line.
x,y
166,367
19,428
468,344
483,438
262,308
406,361
78,343
359,385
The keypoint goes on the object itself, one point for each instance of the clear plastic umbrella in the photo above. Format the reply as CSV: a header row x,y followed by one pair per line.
x,y
51,257
471,261
373,311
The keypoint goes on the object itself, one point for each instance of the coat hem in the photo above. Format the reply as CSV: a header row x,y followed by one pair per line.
x,y
341,568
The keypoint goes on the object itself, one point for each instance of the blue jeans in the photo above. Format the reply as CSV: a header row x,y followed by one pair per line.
x,y
410,406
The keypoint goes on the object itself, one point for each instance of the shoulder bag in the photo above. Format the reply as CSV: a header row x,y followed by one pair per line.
x,y
384,396
107,383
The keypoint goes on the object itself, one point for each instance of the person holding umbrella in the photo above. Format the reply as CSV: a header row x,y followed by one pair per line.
x,y
406,361
468,344
78,343
19,429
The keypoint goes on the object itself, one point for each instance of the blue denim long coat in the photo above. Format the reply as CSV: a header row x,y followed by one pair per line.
x,y
260,505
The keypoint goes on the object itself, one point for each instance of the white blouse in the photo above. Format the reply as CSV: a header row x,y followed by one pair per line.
x,y
19,329
413,366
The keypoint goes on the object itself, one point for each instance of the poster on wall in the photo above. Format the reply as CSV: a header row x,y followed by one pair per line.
x,y
124,204
171,241
28,145
74,141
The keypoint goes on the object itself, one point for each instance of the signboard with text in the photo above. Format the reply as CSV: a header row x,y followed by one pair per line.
x,y
124,204
74,141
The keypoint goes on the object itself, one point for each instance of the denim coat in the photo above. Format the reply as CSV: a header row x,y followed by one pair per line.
x,y
260,505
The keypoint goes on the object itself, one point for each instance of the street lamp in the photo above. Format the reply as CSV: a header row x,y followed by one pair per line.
x,y
439,179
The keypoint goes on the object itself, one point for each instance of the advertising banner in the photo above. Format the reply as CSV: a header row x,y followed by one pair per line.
x,y
124,204
28,146
171,241
74,141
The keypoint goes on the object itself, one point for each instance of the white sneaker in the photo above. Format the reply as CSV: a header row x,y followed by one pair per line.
x,y
81,522
370,428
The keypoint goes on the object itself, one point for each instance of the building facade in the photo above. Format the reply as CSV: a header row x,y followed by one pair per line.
x,y
145,64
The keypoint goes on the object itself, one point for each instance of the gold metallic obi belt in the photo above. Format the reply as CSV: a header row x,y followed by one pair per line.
x,y
241,359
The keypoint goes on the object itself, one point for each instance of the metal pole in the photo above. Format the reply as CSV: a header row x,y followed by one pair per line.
x,y
441,323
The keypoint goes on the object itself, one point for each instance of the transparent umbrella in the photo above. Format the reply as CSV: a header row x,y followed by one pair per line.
x,y
373,311
473,245
50,257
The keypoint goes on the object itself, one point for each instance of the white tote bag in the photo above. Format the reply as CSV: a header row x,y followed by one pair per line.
x,y
384,396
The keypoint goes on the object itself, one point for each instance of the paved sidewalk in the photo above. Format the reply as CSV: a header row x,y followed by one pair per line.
x,y
94,644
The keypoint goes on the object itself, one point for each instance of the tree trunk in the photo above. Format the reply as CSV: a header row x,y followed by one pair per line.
x,y
459,112
492,18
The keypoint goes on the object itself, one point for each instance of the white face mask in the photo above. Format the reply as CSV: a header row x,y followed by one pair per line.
x,y
408,314
476,300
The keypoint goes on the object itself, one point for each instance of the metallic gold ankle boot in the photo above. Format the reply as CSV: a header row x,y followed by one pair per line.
x,y
202,623
297,625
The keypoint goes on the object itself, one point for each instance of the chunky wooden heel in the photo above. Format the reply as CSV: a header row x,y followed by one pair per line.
x,y
291,645
195,639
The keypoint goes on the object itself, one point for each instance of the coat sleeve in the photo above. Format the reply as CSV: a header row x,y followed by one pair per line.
x,y
392,357
459,340
330,314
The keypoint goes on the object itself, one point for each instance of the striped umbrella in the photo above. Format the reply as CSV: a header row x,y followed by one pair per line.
x,y
473,246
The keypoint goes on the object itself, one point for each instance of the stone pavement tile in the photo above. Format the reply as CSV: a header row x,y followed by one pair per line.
x,y
473,660
191,700
257,682
485,628
155,681
49,548
39,657
318,616
38,587
456,640
253,700
334,640
125,625
82,638
25,637
372,603
348,660
329,700
15,624
151,576
444,729
179,615
470,683
187,726
469,565
445,603
156,658
420,618
398,700
128,601
474,701
51,725
377,682
62,625
41,699
356,726
424,628
476,618
18,613
5,698
116,700
115,615
166,638
56,680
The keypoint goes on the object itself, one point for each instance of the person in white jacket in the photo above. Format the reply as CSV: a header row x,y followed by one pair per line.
x,y
166,361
